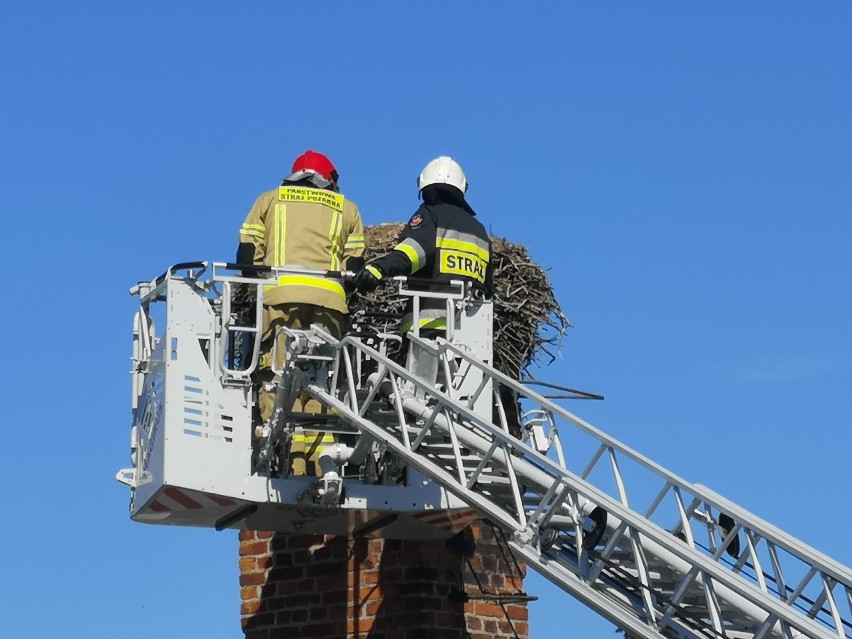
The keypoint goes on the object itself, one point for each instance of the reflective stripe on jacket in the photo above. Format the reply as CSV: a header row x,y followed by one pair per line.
x,y
442,242
301,227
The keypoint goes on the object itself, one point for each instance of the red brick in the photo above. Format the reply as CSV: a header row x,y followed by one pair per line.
x,y
252,579
265,620
490,564
365,579
250,607
249,548
516,583
249,592
447,619
372,608
285,587
318,613
329,583
319,630
334,598
517,612
366,563
369,593
283,632
358,626
280,559
282,618
283,574
305,600
273,604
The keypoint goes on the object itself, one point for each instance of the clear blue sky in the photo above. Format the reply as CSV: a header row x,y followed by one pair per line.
x,y
684,169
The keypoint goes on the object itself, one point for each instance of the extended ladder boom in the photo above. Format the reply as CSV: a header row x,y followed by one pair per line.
x,y
657,555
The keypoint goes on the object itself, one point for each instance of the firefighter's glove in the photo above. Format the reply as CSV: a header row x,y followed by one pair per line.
x,y
368,279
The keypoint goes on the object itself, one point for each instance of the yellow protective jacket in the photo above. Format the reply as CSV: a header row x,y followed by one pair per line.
x,y
301,227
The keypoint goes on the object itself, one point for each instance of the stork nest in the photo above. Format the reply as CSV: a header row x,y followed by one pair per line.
x,y
528,321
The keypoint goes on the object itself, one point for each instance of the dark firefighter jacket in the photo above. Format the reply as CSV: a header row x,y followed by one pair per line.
x,y
442,241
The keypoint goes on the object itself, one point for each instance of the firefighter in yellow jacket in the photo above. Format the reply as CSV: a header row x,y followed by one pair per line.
x,y
306,223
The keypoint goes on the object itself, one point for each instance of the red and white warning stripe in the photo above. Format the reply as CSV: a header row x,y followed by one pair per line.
x,y
173,499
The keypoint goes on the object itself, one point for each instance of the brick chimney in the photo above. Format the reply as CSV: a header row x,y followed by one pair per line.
x,y
328,587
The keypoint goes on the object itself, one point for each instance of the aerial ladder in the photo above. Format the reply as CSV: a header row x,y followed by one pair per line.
x,y
431,437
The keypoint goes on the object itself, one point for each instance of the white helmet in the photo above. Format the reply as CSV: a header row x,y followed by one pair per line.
x,y
443,170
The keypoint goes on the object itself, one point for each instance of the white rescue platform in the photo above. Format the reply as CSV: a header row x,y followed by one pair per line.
x,y
191,443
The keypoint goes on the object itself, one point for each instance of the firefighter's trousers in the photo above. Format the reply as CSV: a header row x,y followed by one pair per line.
x,y
307,444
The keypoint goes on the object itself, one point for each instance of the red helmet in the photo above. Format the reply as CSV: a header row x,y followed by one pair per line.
x,y
313,162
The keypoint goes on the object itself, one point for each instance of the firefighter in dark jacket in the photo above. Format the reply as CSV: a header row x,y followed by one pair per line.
x,y
442,241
